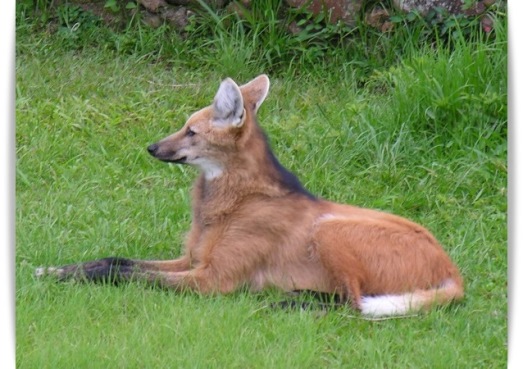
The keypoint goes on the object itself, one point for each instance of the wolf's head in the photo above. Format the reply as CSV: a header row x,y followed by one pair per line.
x,y
213,136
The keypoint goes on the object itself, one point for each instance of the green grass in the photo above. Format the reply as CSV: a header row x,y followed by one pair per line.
x,y
424,138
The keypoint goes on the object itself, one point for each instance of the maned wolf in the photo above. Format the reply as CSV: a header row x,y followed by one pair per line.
x,y
254,225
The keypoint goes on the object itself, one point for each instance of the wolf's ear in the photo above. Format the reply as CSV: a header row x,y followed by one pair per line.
x,y
228,105
255,92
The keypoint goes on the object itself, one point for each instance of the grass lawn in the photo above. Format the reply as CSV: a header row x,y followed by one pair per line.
x,y
425,138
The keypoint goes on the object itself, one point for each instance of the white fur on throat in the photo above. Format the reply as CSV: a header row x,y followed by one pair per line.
x,y
210,169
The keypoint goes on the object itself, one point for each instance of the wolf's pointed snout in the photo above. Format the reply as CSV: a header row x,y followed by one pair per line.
x,y
152,148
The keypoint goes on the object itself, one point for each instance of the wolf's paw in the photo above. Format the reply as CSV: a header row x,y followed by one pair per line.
x,y
52,271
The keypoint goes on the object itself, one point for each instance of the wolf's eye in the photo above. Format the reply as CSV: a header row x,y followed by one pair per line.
x,y
190,132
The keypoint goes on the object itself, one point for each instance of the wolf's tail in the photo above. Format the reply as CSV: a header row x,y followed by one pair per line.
x,y
389,305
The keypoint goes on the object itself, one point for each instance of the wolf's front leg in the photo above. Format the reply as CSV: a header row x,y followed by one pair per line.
x,y
168,274
114,269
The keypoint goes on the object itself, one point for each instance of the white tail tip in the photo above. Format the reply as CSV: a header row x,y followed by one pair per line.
x,y
383,305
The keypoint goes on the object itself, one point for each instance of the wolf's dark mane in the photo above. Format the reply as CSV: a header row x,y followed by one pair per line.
x,y
286,178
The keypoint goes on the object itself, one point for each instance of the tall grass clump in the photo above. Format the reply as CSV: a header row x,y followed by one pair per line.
x,y
258,40
456,94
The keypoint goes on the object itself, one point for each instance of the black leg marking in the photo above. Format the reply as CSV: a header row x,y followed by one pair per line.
x,y
109,270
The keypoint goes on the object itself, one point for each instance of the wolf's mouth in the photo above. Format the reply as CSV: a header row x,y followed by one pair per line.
x,y
169,159
181,160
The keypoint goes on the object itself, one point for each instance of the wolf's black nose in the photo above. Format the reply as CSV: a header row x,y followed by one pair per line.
x,y
152,148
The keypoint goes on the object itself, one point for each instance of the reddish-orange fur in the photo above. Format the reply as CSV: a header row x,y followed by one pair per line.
x,y
254,226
